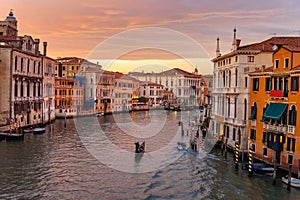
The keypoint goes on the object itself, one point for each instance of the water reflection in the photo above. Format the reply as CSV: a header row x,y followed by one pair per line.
x,y
56,165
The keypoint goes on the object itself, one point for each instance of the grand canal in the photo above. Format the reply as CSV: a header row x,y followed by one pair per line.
x,y
63,164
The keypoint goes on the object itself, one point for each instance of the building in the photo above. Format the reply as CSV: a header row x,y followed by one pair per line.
x,y
125,86
230,96
91,74
68,96
21,76
48,87
153,92
274,101
188,88
208,85
104,92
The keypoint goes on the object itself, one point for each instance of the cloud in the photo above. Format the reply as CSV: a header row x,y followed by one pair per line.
x,y
75,28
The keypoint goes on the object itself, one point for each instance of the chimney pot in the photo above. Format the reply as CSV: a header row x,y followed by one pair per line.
x,y
45,48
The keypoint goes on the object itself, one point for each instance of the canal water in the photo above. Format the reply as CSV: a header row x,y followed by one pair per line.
x,y
81,162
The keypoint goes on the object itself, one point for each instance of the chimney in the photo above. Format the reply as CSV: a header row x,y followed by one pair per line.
x,y
234,40
238,42
263,67
218,53
45,48
37,44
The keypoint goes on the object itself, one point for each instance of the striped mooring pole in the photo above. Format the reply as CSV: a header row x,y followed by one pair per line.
x,y
250,158
237,148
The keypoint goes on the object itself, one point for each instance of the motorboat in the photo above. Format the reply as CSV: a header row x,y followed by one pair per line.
x,y
261,168
28,130
181,146
294,181
39,130
13,136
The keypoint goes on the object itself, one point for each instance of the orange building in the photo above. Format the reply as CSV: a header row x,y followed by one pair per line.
x,y
274,123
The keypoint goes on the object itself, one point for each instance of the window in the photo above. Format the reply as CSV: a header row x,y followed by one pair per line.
x,y
22,64
268,84
245,109
265,151
16,63
290,159
255,86
293,116
265,137
236,77
16,88
28,65
250,58
295,83
252,134
235,107
246,82
34,64
236,59
253,147
286,63
276,64
228,107
291,144
233,135
227,132
39,68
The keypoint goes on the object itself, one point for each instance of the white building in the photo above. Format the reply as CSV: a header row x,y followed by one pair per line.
x,y
21,77
125,86
48,87
152,91
230,95
188,88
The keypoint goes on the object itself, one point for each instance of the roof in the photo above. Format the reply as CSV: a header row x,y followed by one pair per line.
x,y
267,45
173,71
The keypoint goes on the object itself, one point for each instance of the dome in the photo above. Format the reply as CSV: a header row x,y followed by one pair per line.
x,y
10,16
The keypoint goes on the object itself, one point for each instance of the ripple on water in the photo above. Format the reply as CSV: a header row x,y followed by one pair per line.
x,y
56,165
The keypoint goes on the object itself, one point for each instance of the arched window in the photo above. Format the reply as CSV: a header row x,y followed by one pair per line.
x,y
28,65
22,64
16,63
293,116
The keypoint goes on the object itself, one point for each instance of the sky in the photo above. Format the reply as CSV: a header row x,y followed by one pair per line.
x,y
151,34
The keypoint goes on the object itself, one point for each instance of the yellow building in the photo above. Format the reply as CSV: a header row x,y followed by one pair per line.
x,y
274,129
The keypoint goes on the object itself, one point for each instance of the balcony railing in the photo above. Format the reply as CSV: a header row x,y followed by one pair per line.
x,y
273,127
253,122
278,93
291,129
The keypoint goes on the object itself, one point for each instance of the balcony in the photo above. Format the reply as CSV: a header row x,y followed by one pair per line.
x,y
253,122
273,127
291,129
278,94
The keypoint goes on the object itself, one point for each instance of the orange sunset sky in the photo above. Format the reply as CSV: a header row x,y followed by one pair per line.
x,y
150,35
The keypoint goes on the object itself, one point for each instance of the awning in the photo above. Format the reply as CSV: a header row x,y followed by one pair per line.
x,y
253,114
274,111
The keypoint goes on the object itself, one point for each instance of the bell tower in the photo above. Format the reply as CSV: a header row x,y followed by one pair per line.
x,y
9,27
